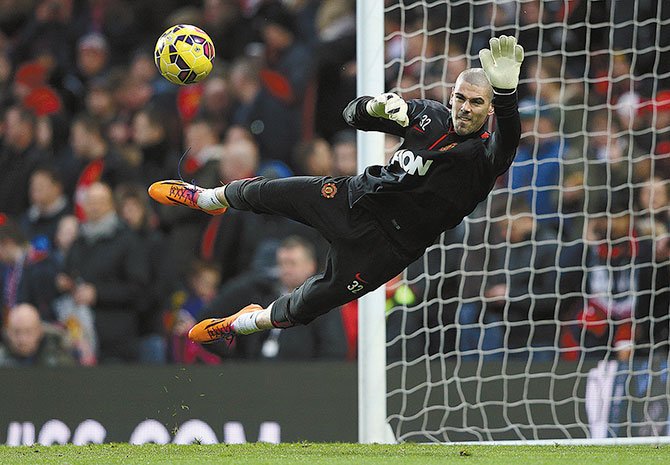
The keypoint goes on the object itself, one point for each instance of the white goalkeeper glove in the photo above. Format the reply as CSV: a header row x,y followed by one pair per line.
x,y
503,62
389,106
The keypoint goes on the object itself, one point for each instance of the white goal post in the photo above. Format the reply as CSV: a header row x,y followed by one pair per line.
x,y
371,307
544,316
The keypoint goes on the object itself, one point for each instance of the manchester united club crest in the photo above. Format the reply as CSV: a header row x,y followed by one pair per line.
x,y
448,147
329,190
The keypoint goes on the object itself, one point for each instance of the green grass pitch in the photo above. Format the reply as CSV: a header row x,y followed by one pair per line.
x,y
333,454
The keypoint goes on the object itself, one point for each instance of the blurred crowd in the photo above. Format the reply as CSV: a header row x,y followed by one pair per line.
x,y
93,272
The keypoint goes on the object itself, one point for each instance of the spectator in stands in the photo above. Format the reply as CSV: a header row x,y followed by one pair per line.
x,y
95,160
245,85
92,61
133,208
614,162
314,158
549,87
522,289
48,204
534,175
652,318
67,232
469,268
335,57
27,341
296,260
345,153
150,134
615,85
286,87
106,270
51,136
29,271
538,31
653,225
99,101
600,278
19,156
143,68
184,307
216,102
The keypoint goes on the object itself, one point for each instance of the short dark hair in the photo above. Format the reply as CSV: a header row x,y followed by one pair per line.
x,y
51,171
296,241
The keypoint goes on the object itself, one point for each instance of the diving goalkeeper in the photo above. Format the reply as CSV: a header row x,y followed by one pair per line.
x,y
380,221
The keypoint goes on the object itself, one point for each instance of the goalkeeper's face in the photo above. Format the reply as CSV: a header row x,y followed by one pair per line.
x,y
471,104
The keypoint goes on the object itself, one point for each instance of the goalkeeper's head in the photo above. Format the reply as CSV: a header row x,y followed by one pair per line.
x,y
471,101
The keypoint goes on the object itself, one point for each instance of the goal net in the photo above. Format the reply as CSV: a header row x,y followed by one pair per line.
x,y
545,314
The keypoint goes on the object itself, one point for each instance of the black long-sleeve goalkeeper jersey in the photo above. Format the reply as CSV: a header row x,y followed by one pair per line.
x,y
437,177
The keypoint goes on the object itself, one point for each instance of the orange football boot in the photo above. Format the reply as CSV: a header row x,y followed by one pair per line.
x,y
213,329
175,192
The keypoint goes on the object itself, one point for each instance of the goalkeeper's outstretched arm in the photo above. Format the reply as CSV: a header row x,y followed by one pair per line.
x,y
502,64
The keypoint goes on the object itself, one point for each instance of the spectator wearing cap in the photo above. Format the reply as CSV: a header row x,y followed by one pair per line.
x,y
19,156
91,61
29,273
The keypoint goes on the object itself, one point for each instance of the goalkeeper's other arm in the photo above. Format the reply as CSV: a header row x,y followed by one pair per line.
x,y
389,106
383,114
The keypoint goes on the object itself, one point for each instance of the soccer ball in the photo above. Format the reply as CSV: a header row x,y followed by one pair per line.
x,y
184,54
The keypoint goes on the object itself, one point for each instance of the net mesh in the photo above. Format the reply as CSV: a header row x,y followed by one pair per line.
x,y
544,315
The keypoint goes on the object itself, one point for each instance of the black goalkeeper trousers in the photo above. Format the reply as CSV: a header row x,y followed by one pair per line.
x,y
360,259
